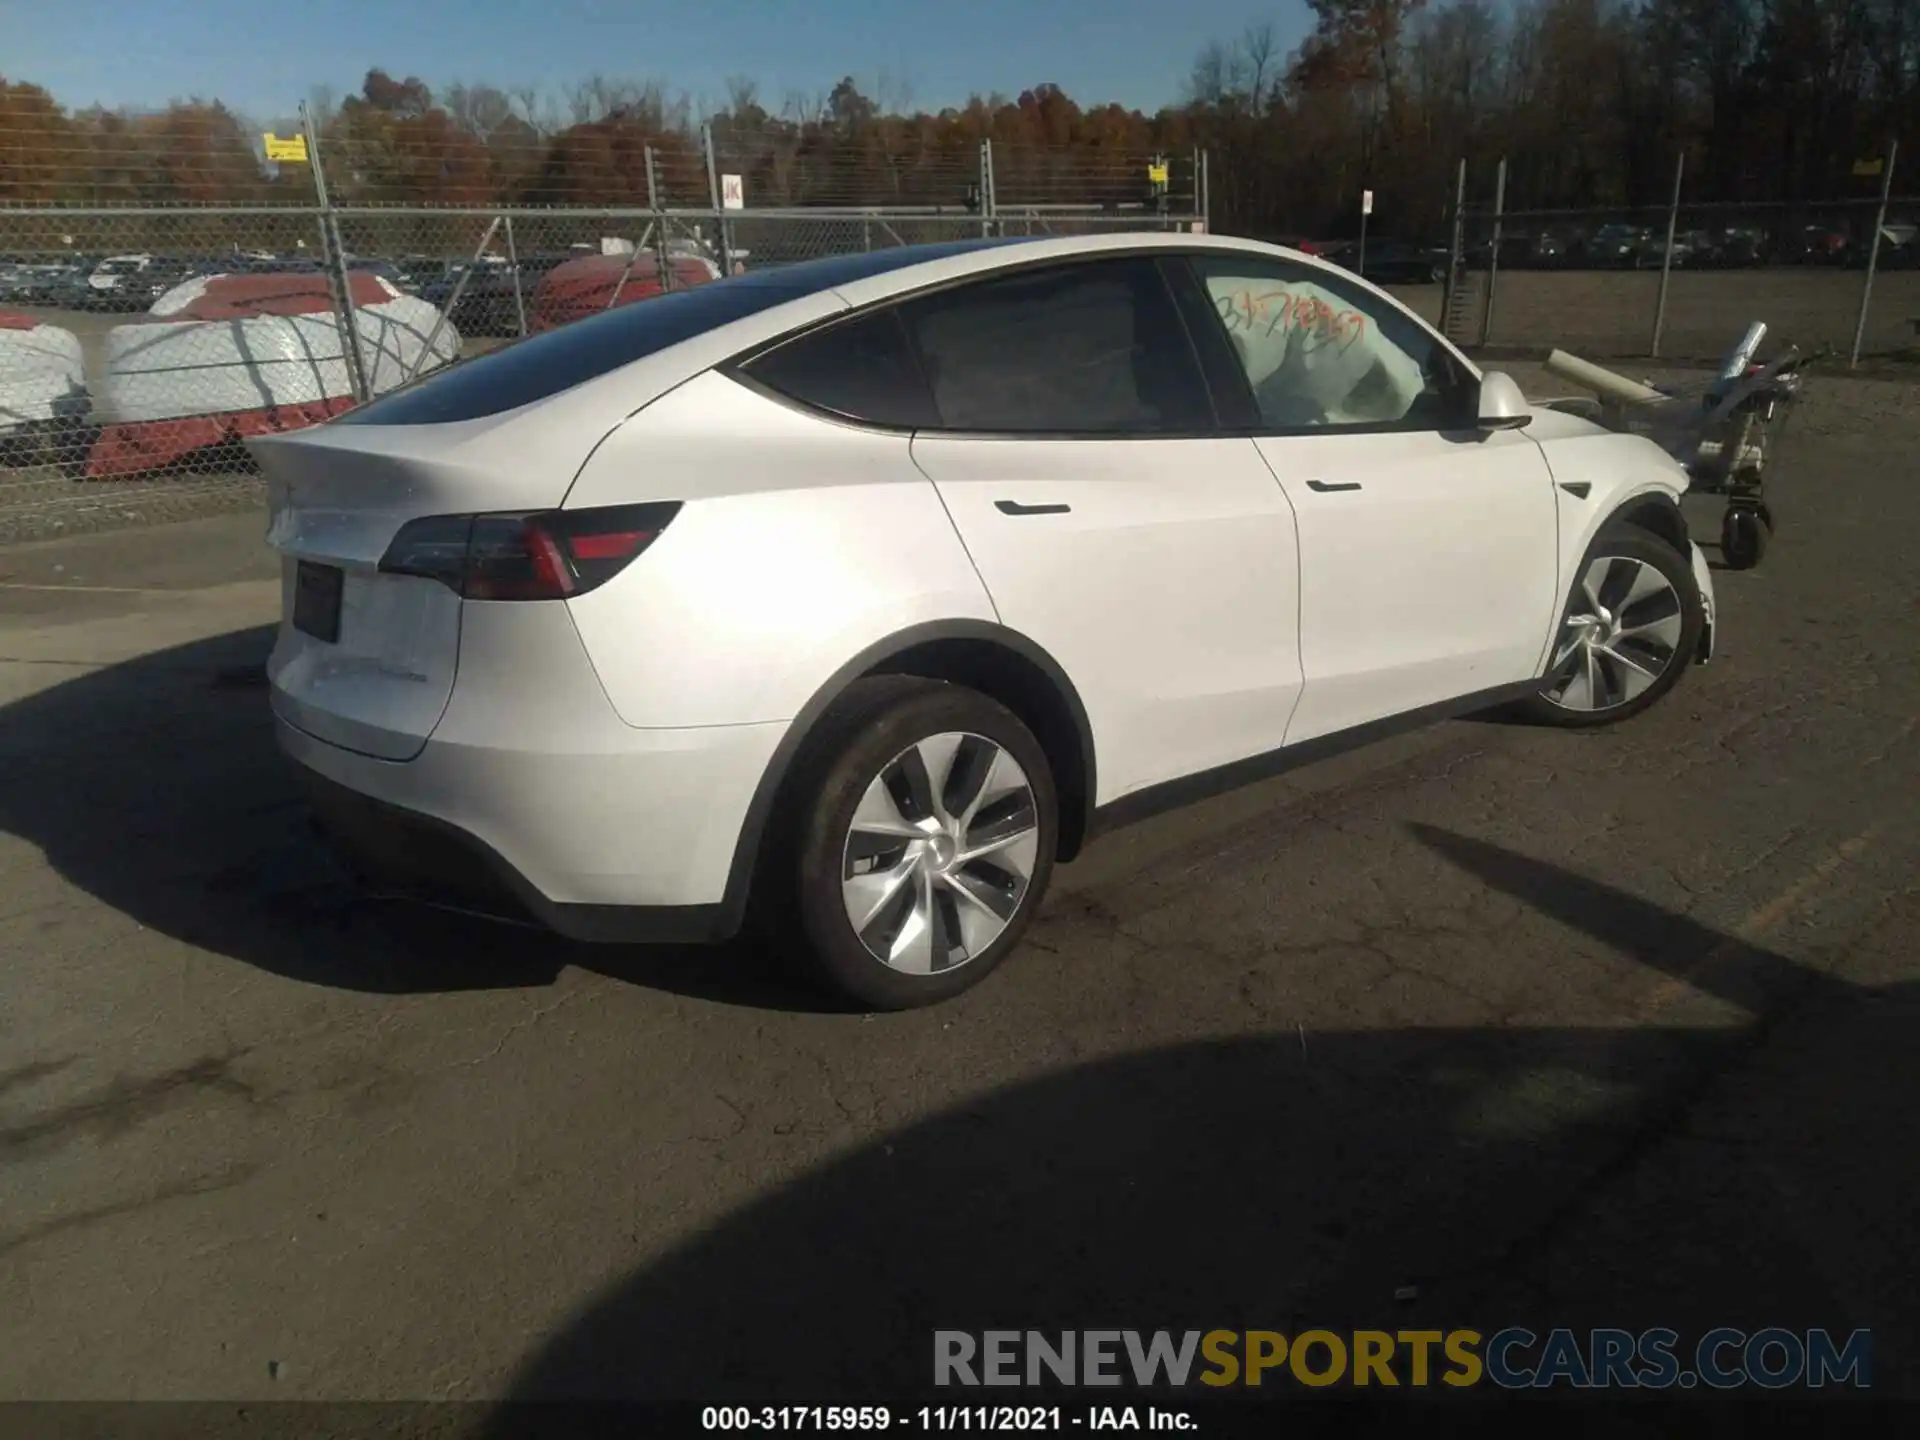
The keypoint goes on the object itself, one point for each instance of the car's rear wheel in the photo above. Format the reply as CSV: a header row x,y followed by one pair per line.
x,y
912,862
1630,629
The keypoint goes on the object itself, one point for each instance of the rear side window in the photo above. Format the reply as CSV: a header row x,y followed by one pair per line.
x,y
863,369
560,359
1093,348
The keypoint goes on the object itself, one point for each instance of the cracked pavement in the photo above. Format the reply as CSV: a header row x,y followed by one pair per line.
x,y
1607,1028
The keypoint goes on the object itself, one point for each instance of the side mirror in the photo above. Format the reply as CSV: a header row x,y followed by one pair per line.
x,y
1502,406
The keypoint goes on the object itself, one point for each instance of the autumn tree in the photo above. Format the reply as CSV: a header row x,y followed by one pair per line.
x,y
1588,101
391,143
42,159
198,152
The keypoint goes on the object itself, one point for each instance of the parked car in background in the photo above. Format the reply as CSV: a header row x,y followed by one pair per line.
x,y
1813,245
107,288
1395,262
1738,247
285,265
1652,254
590,283
36,283
1613,247
386,270
1542,250
1520,249
1309,246
1696,249
412,272
139,291
494,295
1899,247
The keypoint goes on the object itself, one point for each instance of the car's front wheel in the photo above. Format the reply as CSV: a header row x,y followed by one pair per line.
x,y
1630,629
911,859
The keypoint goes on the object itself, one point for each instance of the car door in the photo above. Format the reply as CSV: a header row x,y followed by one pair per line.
x,y
1154,559
1428,548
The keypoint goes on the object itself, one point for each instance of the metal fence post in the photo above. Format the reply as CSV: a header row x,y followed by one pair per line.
x,y
452,303
713,198
513,264
1666,256
659,226
1206,193
1873,253
333,258
626,271
1455,251
1493,255
986,188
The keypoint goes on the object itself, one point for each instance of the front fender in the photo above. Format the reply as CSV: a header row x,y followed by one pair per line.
x,y
1601,476
1643,487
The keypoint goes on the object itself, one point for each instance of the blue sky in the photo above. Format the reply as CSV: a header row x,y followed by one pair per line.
x,y
264,58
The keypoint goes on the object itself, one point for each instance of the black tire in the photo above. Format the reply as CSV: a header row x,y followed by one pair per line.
x,y
1625,542
798,889
1745,534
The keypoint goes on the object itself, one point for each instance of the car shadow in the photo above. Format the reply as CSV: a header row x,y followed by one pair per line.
x,y
155,787
1403,1179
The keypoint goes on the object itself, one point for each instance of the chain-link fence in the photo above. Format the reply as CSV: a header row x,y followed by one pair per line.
x,y
1682,281
141,345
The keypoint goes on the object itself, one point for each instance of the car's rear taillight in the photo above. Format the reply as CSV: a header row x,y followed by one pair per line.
x,y
552,555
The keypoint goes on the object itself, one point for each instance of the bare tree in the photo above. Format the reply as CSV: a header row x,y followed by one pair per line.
x,y
1211,81
1258,60
804,107
743,100
478,109
893,92
535,108
600,97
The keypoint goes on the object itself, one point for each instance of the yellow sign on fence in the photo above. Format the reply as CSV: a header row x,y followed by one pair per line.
x,y
1868,167
1157,174
293,148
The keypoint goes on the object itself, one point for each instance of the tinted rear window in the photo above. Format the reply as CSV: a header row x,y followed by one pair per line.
x,y
1095,347
544,365
862,368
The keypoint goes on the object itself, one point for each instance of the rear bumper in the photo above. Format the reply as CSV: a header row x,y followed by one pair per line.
x,y
1703,577
404,854
633,840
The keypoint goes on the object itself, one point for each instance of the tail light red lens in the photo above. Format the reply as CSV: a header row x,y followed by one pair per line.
x,y
552,555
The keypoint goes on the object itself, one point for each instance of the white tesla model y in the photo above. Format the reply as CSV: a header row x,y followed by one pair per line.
x,y
868,589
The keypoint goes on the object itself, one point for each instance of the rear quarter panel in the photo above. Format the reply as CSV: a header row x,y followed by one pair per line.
x,y
800,543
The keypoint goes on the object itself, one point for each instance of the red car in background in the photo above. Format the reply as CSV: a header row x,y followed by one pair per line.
x,y
592,283
1311,247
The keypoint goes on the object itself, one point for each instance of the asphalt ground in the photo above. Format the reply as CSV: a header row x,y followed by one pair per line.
x,y
1483,1026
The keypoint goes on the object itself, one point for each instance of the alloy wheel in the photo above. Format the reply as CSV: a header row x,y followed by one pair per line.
x,y
1621,634
940,853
